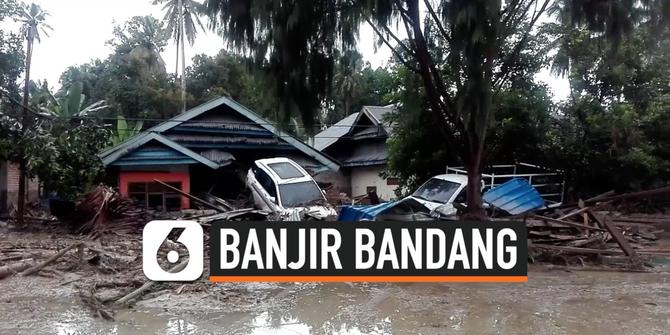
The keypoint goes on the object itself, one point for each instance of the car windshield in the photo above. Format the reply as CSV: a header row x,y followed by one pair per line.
x,y
436,190
299,194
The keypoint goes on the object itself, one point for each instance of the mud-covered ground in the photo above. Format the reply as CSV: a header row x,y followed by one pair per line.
x,y
552,302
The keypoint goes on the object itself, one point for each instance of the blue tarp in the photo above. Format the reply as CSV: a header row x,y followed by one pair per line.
x,y
369,212
516,196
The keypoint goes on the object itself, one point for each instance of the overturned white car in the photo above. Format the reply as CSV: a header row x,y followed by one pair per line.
x,y
281,186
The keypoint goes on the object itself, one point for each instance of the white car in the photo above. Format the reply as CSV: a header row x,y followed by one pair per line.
x,y
281,186
442,191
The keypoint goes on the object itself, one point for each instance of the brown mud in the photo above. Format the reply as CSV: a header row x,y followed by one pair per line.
x,y
552,302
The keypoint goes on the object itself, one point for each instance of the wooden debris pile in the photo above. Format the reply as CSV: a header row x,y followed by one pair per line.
x,y
103,209
591,231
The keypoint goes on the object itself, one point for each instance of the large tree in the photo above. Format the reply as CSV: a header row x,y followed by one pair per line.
x,y
619,103
300,37
33,21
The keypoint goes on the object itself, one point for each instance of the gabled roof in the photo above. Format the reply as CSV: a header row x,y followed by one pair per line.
x,y
347,126
126,147
110,155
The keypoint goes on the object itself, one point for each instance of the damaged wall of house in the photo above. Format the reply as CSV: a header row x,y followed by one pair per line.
x,y
9,187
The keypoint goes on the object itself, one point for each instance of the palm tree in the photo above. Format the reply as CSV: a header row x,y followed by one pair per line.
x,y
181,17
348,79
32,20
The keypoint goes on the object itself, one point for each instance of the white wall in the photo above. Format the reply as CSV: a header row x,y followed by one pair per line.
x,y
362,177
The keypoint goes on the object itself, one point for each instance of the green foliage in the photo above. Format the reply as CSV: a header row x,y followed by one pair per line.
x,y
68,103
11,62
73,166
63,154
132,80
32,18
612,123
297,40
417,150
35,141
355,85
8,8
190,10
124,131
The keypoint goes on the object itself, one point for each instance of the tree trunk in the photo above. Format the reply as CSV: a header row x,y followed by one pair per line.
x,y
176,64
183,55
23,160
474,188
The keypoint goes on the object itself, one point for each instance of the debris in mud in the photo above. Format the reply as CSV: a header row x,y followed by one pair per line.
x,y
102,210
592,230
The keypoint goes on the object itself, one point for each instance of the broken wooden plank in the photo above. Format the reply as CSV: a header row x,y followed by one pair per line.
x,y
50,260
616,234
573,213
192,197
577,250
567,223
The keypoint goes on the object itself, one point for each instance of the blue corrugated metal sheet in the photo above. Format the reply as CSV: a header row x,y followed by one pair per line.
x,y
358,213
516,196
154,156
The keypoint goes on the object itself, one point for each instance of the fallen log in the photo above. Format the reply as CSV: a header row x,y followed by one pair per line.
x,y
50,260
12,269
139,291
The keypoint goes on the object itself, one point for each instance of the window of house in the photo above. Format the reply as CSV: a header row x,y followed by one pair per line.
x,y
155,196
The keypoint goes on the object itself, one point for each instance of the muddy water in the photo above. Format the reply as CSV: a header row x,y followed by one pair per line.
x,y
552,302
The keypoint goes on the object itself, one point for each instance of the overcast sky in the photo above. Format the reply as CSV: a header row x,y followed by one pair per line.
x,y
81,29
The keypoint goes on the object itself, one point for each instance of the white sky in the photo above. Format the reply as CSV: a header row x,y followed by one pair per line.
x,y
81,29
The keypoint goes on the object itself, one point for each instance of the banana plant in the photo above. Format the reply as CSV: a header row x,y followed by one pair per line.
x,y
72,103
124,131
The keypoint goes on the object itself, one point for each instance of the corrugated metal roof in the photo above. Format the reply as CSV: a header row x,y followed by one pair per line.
x,y
347,126
251,122
139,141
221,121
369,212
381,114
186,139
516,196
329,136
221,157
365,154
154,155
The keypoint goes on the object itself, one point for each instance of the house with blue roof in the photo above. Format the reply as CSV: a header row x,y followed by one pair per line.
x,y
207,149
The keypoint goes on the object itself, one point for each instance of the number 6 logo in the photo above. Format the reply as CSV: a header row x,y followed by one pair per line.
x,y
153,236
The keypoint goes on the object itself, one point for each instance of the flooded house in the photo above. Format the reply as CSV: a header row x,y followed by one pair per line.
x,y
9,187
207,149
358,142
